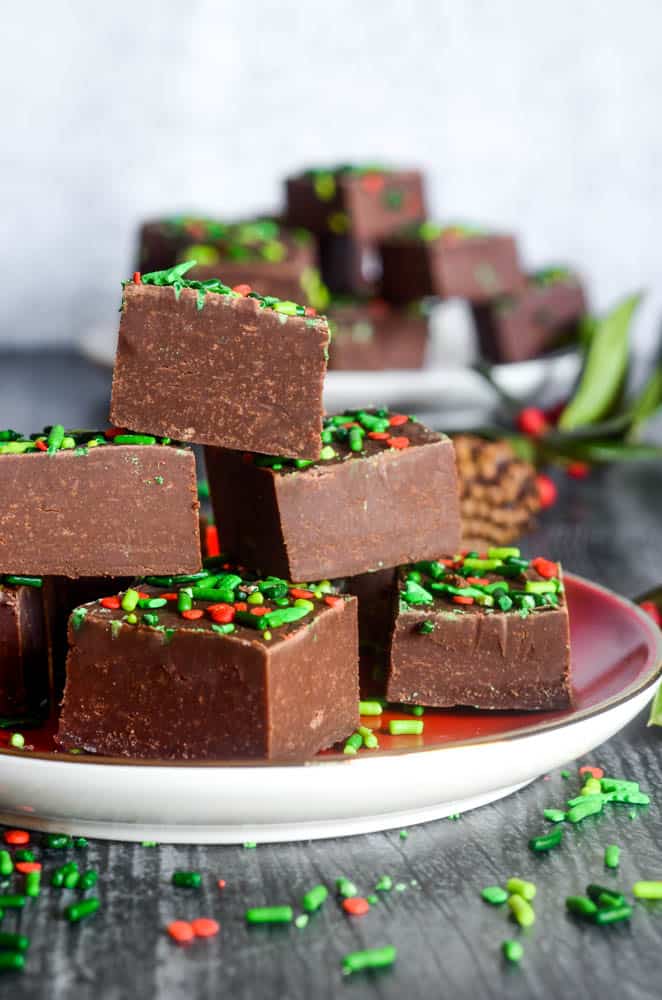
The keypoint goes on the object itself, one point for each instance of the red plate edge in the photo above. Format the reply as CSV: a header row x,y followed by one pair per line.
x,y
622,632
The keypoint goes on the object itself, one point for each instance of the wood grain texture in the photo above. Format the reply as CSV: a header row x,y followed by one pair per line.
x,y
449,940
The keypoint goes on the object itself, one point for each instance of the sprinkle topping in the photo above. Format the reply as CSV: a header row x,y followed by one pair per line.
x,y
54,439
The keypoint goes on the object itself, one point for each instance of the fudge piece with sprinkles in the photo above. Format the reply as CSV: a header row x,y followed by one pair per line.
x,y
371,335
522,325
486,632
84,503
364,202
447,261
384,487
216,665
199,361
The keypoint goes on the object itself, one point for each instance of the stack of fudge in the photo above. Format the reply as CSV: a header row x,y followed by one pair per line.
x,y
339,532
355,242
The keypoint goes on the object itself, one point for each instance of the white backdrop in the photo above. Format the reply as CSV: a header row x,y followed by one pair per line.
x,y
528,115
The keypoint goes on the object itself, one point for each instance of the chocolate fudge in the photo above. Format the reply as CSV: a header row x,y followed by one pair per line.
x,y
200,362
349,267
364,202
218,665
374,335
384,485
447,261
488,632
546,312
24,663
80,503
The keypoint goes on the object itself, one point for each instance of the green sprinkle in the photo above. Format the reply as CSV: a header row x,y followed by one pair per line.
x,y
404,834
131,618
604,896
415,594
345,888
583,809
130,600
565,774
269,915
520,887
32,884
249,845
85,908
618,785
370,708
547,841
184,600
591,787
11,960
24,581
353,744
77,618
385,884
314,898
55,438
581,906
406,727
370,741
71,879
282,616
88,879
24,854
554,815
258,598
327,453
539,587
612,856
494,895
521,910
647,890
14,942
425,627
6,864
17,740
614,915
134,439
151,620
372,900
148,843
512,951
13,901
58,841
302,921
503,553
356,438
187,880
372,958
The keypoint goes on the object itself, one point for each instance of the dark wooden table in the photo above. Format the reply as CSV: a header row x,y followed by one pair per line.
x,y
448,940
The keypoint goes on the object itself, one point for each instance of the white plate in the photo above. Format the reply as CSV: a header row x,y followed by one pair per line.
x,y
617,655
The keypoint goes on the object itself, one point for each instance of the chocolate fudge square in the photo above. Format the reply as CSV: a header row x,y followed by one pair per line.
x,y
364,202
24,630
263,254
384,485
487,633
448,261
523,325
200,362
84,503
373,335
221,665
349,267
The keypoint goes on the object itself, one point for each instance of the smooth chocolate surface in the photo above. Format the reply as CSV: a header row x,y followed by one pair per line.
x,y
108,510
485,633
364,202
448,262
384,485
222,678
218,368
23,649
373,335
542,315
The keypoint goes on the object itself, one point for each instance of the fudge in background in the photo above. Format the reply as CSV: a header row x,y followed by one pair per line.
x,y
372,334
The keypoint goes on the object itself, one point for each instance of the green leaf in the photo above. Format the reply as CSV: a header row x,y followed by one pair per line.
x,y
646,403
612,427
605,368
656,710
603,451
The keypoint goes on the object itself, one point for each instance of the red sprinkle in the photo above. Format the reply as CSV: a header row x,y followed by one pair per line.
x,y
462,600
222,614
143,596
112,432
170,597
372,183
181,931
41,444
309,311
356,906
259,611
398,419
595,772
305,594
27,866
240,606
547,492
652,611
221,883
17,837
545,567
578,470
110,602
333,600
137,279
242,289
532,421
247,458
192,614
212,544
205,927
478,581
379,435
398,442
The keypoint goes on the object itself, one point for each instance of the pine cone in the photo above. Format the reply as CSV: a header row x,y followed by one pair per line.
x,y
498,492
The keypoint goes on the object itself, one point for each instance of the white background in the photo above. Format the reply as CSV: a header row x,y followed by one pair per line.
x,y
542,117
